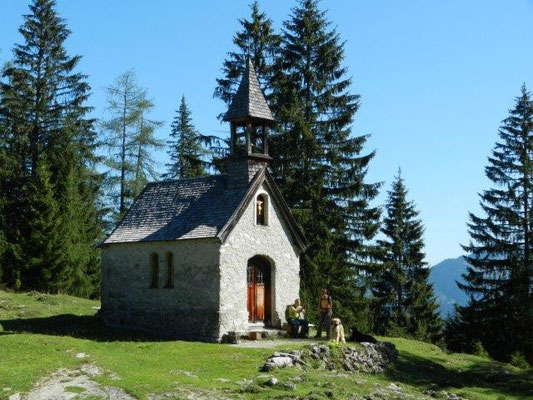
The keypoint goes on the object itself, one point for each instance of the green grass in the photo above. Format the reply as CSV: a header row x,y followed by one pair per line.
x,y
42,333
75,389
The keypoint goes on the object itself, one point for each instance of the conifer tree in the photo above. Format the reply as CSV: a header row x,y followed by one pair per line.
x,y
43,247
185,147
3,199
318,162
10,190
130,137
258,40
80,265
43,111
145,141
405,299
123,99
499,278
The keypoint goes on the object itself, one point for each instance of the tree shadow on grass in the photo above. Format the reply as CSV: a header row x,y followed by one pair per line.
x,y
77,326
426,374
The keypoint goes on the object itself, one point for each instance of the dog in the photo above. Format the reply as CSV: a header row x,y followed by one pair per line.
x,y
336,331
358,336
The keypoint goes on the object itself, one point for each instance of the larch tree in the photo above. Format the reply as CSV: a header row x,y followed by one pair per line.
x,y
185,147
145,142
318,162
499,278
129,139
405,300
46,126
123,99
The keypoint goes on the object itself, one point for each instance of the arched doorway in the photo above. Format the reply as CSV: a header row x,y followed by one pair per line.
x,y
259,297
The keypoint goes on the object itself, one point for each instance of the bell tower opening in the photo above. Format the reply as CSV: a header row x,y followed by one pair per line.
x,y
248,138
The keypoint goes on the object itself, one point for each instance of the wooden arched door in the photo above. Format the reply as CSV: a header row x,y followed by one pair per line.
x,y
258,290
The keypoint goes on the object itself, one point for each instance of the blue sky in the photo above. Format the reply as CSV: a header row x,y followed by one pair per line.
x,y
436,78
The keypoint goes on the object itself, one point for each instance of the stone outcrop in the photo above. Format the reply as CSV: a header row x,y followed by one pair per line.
x,y
370,358
281,360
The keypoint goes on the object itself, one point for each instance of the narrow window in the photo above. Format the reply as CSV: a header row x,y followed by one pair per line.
x,y
154,270
259,276
249,274
260,210
170,270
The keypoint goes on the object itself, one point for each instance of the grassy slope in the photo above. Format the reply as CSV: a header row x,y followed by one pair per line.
x,y
41,333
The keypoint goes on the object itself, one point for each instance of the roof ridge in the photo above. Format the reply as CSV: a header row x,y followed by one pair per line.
x,y
198,178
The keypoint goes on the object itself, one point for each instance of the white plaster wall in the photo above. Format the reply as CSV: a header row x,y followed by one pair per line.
x,y
245,241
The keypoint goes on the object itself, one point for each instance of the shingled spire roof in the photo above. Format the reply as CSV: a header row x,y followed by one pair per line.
x,y
249,100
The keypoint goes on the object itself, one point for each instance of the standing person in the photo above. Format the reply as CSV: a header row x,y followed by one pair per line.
x,y
325,310
297,319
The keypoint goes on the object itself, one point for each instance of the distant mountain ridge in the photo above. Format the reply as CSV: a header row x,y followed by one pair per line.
x,y
443,276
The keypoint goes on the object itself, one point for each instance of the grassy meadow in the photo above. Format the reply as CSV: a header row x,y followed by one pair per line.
x,y
40,334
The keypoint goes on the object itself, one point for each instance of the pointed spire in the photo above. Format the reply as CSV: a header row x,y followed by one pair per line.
x,y
249,101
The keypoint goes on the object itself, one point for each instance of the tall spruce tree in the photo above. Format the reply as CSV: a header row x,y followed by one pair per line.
x,y
4,174
129,140
186,149
43,243
258,40
499,278
80,267
318,162
10,189
44,114
405,300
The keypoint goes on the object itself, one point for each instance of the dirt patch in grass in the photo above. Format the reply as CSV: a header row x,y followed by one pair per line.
x,y
64,384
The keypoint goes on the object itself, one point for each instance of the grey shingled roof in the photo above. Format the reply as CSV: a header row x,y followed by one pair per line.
x,y
249,100
179,209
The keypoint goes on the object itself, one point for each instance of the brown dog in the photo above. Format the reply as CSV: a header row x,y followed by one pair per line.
x,y
336,331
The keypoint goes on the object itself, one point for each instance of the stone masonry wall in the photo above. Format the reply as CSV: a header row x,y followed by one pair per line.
x,y
188,310
242,170
244,242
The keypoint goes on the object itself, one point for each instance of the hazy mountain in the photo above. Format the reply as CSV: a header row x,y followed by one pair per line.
x,y
443,276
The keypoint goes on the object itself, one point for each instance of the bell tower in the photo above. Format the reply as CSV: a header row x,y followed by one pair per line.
x,y
249,118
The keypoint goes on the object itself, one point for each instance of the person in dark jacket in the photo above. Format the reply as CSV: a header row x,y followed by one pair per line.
x,y
325,311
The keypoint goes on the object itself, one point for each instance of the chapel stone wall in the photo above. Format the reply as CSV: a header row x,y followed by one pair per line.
x,y
245,241
190,309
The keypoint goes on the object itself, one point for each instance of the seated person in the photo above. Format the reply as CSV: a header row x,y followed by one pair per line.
x,y
297,319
